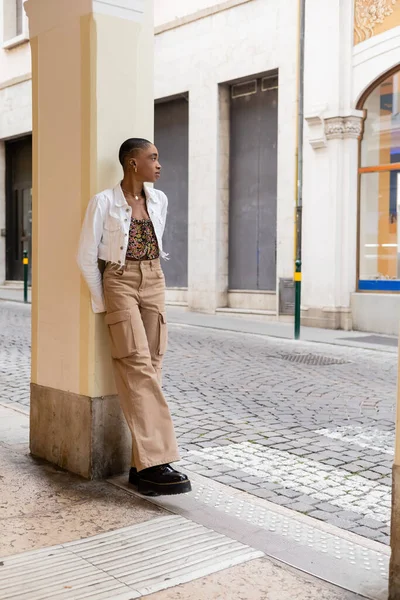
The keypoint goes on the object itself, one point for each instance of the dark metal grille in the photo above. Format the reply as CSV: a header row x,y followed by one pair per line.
x,y
269,83
313,359
244,89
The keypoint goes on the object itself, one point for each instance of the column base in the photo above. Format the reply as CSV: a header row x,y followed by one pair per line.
x,y
394,569
86,436
327,318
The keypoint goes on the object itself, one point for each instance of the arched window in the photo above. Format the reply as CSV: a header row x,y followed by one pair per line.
x,y
379,233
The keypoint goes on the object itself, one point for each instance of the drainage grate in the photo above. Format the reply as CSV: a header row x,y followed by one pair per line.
x,y
313,359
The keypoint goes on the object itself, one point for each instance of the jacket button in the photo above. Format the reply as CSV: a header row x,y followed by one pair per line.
x,y
126,219
119,262
121,248
127,210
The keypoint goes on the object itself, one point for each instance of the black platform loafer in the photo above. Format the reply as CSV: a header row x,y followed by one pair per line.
x,y
133,476
162,480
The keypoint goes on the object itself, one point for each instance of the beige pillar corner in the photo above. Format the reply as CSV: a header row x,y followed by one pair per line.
x,y
92,80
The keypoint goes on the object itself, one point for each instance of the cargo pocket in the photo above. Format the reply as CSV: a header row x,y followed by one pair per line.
x,y
162,333
121,333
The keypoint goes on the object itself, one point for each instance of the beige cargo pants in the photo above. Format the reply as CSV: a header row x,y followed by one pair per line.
x,y
135,301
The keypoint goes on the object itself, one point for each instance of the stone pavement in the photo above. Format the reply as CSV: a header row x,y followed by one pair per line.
x,y
256,580
309,426
53,515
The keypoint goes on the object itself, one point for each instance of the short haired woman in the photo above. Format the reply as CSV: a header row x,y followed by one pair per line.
x,y
124,227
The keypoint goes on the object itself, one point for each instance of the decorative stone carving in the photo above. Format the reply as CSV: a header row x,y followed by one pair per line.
x,y
353,127
334,128
368,14
343,127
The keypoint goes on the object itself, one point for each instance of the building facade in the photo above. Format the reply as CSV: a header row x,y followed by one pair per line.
x,y
226,125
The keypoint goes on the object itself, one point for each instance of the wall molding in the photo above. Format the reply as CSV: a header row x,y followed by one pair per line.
x,y
374,58
375,46
316,131
15,81
200,14
131,10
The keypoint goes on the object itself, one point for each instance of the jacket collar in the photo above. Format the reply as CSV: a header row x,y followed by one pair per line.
x,y
119,196
120,199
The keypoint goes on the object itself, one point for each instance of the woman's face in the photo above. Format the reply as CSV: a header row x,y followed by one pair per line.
x,y
146,162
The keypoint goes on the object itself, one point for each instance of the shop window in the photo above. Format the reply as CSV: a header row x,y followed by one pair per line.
x,y
379,242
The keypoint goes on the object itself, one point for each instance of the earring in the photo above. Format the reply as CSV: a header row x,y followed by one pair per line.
x,y
135,169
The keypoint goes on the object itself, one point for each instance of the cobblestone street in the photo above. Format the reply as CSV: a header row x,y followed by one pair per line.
x,y
304,425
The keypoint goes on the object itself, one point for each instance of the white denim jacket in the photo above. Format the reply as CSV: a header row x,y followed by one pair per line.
x,y
105,234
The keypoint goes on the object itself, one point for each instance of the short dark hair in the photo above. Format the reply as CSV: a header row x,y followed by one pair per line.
x,y
130,145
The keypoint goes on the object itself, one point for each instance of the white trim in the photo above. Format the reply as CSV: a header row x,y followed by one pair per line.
x,y
131,10
18,40
377,45
200,14
373,58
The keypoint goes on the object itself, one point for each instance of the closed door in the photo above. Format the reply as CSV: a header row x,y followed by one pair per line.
x,y
253,185
171,138
18,206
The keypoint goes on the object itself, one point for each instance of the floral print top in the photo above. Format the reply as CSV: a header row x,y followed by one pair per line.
x,y
142,244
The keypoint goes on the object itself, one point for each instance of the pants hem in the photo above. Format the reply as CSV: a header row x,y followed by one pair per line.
x,y
157,463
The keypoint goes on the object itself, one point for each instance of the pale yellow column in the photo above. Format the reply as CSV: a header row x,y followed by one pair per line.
x,y
92,79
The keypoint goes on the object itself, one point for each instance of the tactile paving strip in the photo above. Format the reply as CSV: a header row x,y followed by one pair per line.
x,y
123,564
302,533
334,555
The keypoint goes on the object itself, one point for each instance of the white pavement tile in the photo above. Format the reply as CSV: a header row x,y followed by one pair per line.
x,y
364,437
337,486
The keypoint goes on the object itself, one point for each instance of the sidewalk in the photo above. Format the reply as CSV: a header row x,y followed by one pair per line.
x,y
278,329
14,293
140,548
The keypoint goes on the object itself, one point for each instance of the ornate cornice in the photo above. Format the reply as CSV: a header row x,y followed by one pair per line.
x,y
368,14
323,127
343,127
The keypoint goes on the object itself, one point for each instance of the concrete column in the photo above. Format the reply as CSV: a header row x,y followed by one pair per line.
x,y
92,81
204,197
330,168
330,221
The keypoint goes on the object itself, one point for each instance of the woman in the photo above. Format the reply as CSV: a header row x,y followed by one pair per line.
x,y
123,227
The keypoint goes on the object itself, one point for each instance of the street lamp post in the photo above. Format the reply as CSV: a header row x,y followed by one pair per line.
x,y
299,170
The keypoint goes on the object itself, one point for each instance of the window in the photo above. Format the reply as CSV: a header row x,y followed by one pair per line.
x,y
379,243
14,23
18,16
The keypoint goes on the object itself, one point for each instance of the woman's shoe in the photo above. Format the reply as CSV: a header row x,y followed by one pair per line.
x,y
162,480
133,476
